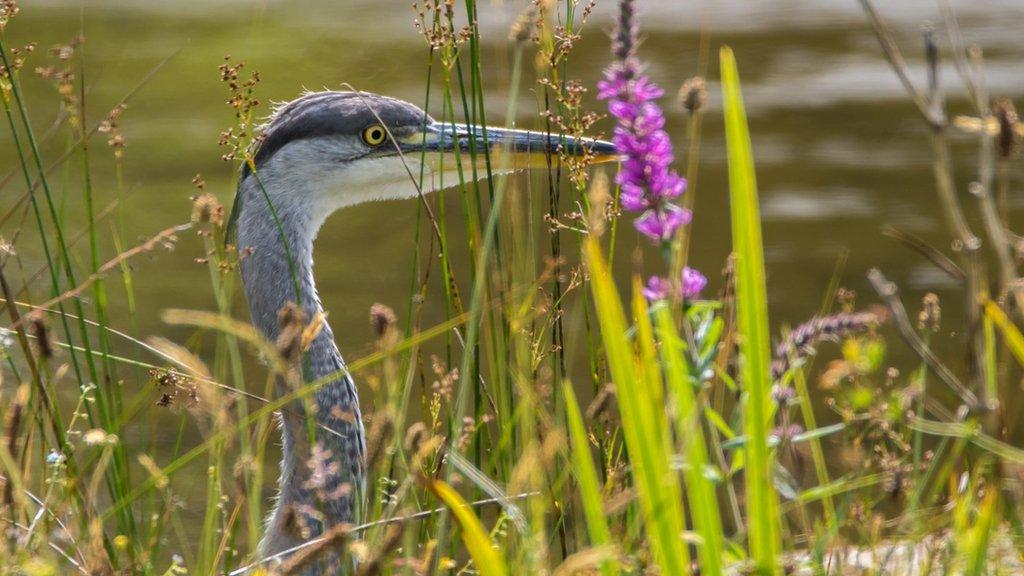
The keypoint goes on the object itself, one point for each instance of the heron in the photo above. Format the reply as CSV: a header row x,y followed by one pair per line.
x,y
316,155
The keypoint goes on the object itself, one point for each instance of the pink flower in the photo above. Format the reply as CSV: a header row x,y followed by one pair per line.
x,y
661,224
647,183
691,284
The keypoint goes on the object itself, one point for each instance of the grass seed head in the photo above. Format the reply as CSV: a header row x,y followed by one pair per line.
x,y
381,431
40,330
292,321
415,436
693,94
12,427
333,539
206,209
388,545
8,10
524,28
176,389
384,323
1006,115
111,125
930,316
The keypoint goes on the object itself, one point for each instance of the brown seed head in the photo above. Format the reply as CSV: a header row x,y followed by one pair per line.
x,y
523,28
176,390
332,540
381,431
41,332
292,321
382,319
12,432
207,209
693,94
1006,115
931,313
847,298
392,539
414,436
8,10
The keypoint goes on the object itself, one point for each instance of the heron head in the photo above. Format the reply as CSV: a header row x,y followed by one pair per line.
x,y
332,149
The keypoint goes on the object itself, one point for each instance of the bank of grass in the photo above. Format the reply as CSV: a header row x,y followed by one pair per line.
x,y
697,447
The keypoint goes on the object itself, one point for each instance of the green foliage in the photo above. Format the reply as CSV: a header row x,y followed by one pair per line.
x,y
586,477
639,392
487,454
488,561
752,324
700,477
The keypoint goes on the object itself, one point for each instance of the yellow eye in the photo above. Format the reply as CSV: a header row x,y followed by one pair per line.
x,y
374,135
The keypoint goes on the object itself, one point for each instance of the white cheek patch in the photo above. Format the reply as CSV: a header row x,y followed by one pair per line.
x,y
393,178
370,179
310,170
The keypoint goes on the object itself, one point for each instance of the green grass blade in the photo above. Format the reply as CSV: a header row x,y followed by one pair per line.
x,y
1011,335
980,535
700,489
487,559
764,525
656,484
651,400
587,479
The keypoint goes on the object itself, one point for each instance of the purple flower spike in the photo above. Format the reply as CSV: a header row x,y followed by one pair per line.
x,y
657,288
611,87
644,90
691,283
633,198
648,183
661,224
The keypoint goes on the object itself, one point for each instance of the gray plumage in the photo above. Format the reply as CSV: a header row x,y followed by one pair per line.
x,y
315,158
307,145
326,114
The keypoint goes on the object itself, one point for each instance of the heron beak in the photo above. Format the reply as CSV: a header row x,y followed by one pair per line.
x,y
508,147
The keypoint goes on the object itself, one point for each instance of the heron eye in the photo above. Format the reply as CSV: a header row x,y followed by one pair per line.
x,y
374,135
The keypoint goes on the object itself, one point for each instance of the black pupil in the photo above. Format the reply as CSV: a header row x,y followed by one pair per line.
x,y
375,134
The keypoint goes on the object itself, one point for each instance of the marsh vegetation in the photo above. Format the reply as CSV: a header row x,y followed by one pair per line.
x,y
781,334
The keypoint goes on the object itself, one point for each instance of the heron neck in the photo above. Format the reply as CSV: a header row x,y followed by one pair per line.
x,y
276,253
276,261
